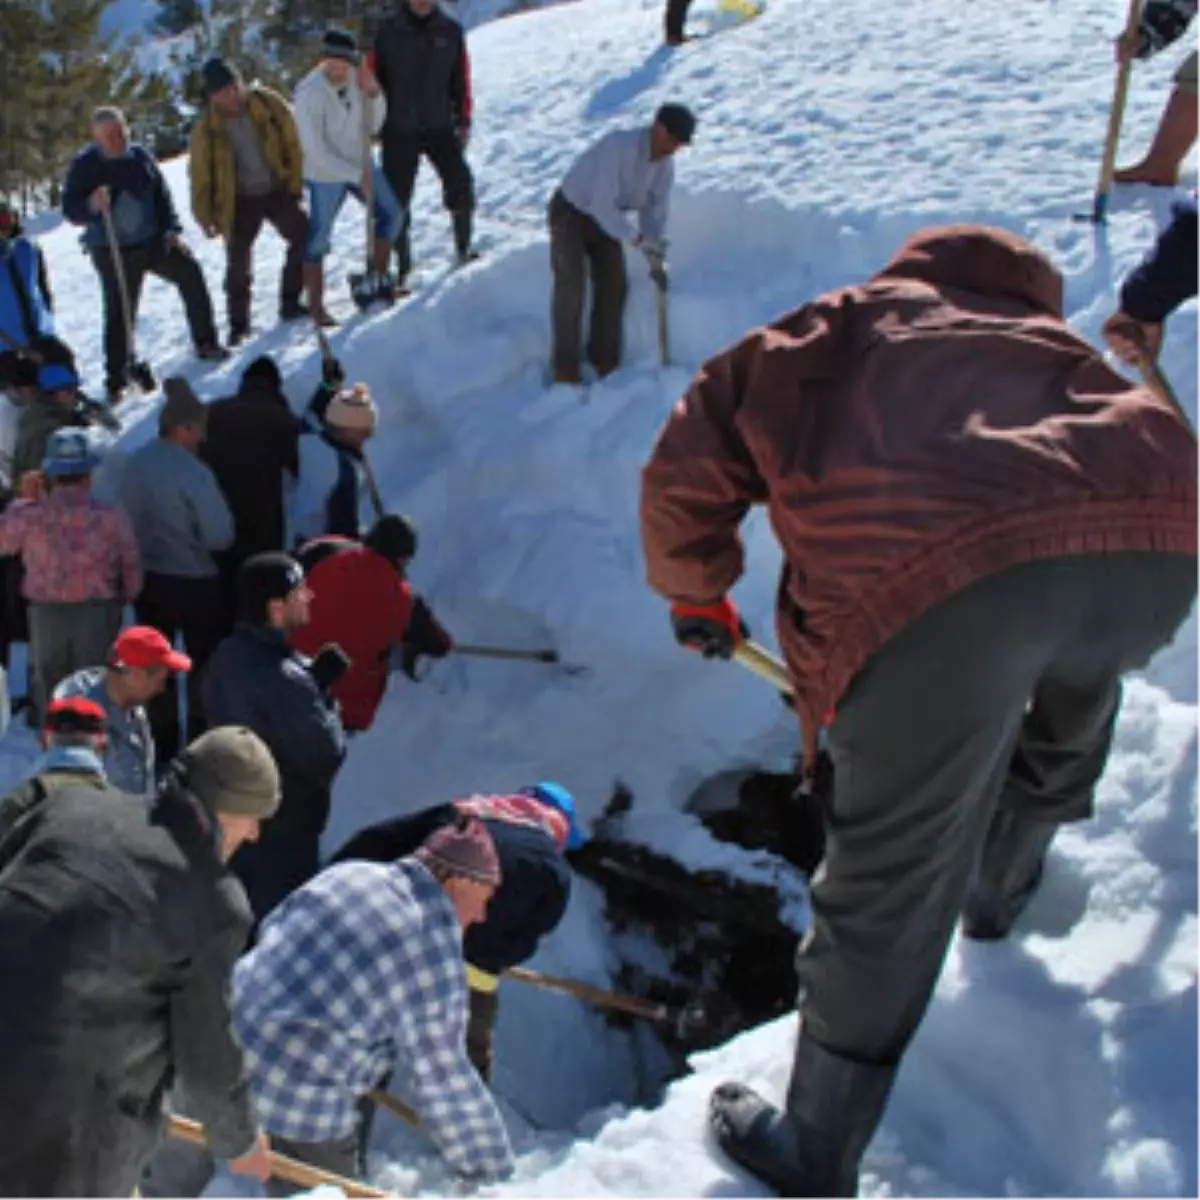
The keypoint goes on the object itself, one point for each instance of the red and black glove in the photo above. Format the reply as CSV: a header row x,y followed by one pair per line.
x,y
715,630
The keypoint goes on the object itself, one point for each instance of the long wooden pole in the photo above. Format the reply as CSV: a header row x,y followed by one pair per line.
x,y
1116,114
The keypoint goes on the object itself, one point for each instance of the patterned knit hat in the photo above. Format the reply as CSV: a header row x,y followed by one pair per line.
x,y
465,849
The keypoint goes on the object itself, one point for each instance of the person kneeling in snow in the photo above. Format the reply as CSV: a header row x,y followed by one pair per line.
x,y
531,830
74,738
360,974
626,170
122,924
984,528
361,601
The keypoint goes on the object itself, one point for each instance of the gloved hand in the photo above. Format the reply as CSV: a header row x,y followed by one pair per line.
x,y
332,374
329,665
655,250
715,630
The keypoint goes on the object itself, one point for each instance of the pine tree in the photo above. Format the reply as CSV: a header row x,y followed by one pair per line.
x,y
177,16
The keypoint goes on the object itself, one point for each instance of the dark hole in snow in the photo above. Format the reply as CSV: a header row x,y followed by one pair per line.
x,y
728,953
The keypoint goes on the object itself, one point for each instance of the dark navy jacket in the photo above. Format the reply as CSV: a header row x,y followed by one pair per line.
x,y
142,208
255,678
424,72
529,903
1166,277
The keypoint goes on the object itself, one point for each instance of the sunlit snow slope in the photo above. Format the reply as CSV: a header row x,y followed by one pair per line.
x,y
1062,1062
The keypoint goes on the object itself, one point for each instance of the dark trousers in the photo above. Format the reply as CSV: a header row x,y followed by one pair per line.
x,y
675,18
284,212
933,740
402,156
481,1030
14,612
177,266
272,868
194,609
579,248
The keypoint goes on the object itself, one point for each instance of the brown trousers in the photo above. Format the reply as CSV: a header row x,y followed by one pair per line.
x,y
283,210
579,247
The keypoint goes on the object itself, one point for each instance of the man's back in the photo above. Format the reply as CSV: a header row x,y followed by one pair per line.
x,y
250,444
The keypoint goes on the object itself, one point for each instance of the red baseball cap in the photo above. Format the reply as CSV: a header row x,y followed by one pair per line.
x,y
75,714
143,646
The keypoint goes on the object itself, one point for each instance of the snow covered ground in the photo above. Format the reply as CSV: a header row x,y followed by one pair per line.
x,y
1062,1062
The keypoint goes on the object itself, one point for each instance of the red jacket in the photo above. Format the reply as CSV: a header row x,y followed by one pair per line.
x,y
909,436
360,602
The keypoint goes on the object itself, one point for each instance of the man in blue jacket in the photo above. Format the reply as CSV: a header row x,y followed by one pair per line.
x,y
26,308
256,679
1165,278
116,190
531,831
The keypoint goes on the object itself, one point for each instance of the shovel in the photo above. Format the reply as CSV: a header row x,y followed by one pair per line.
x,y
1116,114
139,370
538,656
367,287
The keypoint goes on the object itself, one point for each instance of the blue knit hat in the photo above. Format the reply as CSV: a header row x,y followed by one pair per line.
x,y
69,452
57,377
557,796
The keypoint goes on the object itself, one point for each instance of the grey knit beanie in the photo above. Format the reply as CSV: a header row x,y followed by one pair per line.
x,y
230,770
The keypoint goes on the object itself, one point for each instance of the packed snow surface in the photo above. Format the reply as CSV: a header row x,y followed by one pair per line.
x,y
1060,1062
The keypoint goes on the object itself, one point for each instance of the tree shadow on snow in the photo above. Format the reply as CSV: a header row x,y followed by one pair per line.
x,y
615,93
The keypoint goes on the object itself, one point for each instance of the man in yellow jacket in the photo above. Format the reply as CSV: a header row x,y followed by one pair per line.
x,y
246,169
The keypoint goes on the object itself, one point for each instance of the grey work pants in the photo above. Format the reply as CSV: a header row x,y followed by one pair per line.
x,y
63,638
579,248
992,711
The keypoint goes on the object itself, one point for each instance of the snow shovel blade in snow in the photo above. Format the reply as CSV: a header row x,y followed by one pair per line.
x,y
364,289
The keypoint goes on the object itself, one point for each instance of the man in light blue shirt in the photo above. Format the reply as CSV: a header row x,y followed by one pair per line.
x,y
626,171
139,667
181,519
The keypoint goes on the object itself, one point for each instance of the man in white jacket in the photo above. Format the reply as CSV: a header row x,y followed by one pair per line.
x,y
337,159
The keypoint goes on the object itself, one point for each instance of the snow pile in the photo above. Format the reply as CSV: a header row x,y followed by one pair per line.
x,y
1063,1061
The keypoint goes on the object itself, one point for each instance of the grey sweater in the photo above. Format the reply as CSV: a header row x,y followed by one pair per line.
x,y
178,511
616,175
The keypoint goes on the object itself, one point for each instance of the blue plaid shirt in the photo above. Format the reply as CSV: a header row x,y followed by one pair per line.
x,y
358,973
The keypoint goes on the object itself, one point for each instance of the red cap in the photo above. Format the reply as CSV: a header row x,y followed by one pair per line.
x,y
143,646
75,714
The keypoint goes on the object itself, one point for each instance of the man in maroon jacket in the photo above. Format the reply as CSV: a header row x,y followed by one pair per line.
x,y
984,528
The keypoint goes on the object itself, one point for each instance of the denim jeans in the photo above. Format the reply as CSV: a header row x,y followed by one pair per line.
x,y
325,201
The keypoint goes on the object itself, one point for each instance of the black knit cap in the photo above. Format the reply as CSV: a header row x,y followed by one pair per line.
x,y
394,537
218,74
340,43
263,578
678,121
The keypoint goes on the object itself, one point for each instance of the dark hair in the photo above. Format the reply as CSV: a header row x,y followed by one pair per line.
x,y
59,480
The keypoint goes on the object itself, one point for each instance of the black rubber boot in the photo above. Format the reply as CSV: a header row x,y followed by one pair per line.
x,y
403,250
464,227
814,1148
1007,877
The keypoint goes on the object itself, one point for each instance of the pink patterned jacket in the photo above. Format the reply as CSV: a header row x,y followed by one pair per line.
x,y
75,548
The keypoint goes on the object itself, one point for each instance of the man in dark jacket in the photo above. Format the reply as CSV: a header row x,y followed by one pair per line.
x,y
361,600
116,188
256,679
251,446
122,923
984,528
1165,278
530,830
420,59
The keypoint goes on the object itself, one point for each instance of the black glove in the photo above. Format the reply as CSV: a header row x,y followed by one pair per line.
x,y
329,665
332,375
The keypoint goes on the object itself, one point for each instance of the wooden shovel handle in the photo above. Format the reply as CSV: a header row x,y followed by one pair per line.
x,y
291,1169
764,664
1116,114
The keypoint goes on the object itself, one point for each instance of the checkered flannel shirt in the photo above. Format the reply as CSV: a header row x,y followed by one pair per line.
x,y
358,972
